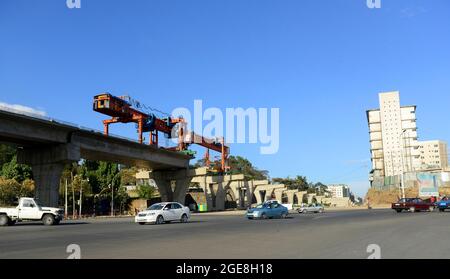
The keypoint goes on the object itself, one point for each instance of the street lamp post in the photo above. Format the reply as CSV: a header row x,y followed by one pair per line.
x,y
65,200
112,199
112,196
81,198
403,164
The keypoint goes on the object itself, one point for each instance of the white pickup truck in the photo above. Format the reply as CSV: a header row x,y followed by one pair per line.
x,y
29,210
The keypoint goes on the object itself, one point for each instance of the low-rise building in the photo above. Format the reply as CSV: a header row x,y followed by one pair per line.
x,y
339,191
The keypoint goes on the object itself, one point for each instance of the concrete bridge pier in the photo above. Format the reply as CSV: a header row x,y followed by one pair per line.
x,y
172,185
47,163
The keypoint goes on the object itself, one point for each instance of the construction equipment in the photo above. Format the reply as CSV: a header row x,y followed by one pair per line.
x,y
124,109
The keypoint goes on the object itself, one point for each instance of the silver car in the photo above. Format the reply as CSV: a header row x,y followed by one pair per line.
x,y
311,208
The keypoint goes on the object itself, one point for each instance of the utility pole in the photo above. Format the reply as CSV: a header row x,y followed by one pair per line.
x,y
112,198
403,164
81,198
81,194
65,201
73,199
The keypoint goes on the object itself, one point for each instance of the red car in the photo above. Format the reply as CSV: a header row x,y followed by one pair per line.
x,y
413,205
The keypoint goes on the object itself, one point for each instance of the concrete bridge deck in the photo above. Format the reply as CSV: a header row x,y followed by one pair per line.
x,y
47,145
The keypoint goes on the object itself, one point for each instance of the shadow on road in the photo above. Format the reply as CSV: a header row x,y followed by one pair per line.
x,y
42,225
174,223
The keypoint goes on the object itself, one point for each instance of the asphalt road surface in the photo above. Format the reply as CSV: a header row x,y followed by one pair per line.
x,y
340,234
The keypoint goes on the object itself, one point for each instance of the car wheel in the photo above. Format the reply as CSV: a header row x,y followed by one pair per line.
x,y
398,210
48,220
159,220
284,216
263,216
321,211
4,220
441,210
184,218
141,223
412,209
431,208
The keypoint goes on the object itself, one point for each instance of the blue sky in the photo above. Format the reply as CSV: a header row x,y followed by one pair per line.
x,y
322,62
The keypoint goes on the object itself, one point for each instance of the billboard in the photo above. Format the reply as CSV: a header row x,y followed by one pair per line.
x,y
428,185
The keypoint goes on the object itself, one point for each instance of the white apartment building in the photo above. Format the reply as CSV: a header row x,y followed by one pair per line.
x,y
339,190
433,154
393,135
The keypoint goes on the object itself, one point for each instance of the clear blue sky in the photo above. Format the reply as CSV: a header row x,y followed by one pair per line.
x,y
322,62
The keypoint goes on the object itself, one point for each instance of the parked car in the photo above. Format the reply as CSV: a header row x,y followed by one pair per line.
x,y
311,208
413,205
267,210
29,210
443,204
164,213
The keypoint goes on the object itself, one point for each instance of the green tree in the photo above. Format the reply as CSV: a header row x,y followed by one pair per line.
x,y
128,176
240,165
122,199
146,191
11,190
298,183
321,189
13,170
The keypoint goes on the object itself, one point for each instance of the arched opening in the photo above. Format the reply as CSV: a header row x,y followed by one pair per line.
x,y
191,203
230,199
284,198
262,195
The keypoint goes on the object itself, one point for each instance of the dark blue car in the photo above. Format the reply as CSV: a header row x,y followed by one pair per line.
x,y
268,210
443,204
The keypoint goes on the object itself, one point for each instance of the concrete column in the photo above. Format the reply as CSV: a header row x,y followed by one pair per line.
x,y
47,180
290,196
182,185
279,194
47,163
221,195
310,197
164,188
300,196
164,181
257,194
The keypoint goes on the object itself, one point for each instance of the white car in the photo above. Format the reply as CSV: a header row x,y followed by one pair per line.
x,y
314,207
164,212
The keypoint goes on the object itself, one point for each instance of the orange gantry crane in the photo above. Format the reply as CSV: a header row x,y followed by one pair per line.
x,y
123,109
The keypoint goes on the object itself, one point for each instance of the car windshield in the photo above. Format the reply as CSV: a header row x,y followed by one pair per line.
x,y
156,207
38,203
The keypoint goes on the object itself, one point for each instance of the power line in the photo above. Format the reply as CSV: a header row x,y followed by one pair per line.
x,y
138,105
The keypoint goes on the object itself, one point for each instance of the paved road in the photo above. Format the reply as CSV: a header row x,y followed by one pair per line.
x,y
344,234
